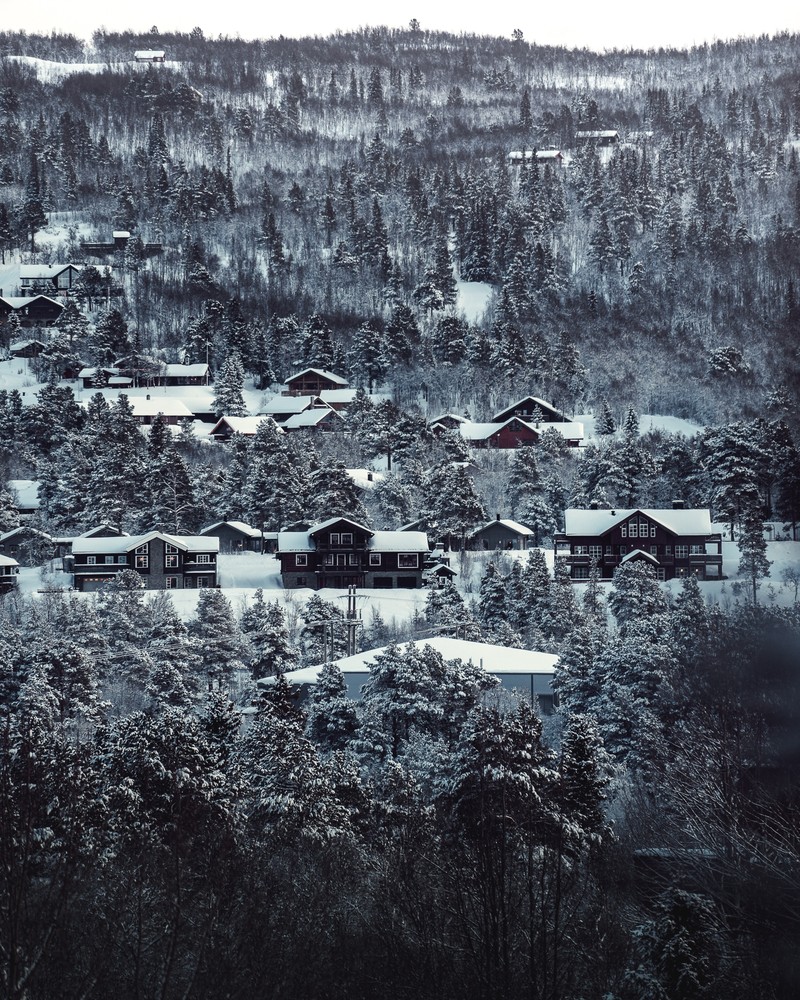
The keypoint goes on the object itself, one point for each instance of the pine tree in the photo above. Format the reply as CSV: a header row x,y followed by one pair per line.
x,y
332,717
605,421
753,562
219,641
264,625
228,385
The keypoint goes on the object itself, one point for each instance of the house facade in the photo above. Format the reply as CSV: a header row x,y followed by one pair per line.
x,y
52,278
676,542
341,553
312,381
532,409
31,310
598,137
502,533
164,562
235,536
9,571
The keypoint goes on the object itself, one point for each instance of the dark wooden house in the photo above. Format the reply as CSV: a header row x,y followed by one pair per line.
x,y
675,542
312,381
340,553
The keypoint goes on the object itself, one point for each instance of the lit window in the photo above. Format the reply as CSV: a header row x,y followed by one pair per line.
x,y
171,562
142,562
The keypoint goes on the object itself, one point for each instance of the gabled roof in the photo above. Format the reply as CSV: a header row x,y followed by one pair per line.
x,y
309,418
292,404
239,425
94,532
240,526
8,561
481,432
317,529
640,554
35,272
331,376
448,416
578,521
20,345
24,529
543,405
127,543
21,301
200,370
515,526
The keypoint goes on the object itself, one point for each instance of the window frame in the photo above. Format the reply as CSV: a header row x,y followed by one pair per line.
x,y
403,560
301,559
375,559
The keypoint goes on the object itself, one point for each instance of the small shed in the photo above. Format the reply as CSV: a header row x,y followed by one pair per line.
x,y
502,533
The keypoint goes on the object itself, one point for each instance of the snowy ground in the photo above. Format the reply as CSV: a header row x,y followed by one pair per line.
x,y
241,574
473,299
53,72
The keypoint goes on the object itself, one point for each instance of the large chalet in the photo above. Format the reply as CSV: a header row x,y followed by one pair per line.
x,y
340,553
164,562
675,542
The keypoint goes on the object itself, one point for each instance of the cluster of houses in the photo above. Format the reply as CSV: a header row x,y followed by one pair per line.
x,y
340,553
521,423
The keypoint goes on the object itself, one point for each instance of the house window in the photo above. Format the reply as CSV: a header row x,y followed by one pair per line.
x,y
352,559
122,559
91,560
374,558
623,530
406,560
652,531
609,550
203,557
660,573
681,551
667,550
334,537
654,550
347,538
330,559
171,582
633,530
172,549
109,560
580,572
171,561
341,559
301,581
697,550
202,582
142,562
301,560
580,550
142,549
596,551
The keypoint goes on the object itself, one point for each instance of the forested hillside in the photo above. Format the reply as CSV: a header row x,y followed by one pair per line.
x,y
168,829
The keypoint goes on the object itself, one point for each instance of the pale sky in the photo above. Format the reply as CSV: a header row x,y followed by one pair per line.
x,y
597,24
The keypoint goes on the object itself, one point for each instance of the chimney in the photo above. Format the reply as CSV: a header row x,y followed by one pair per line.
x,y
613,513
497,517
677,504
594,505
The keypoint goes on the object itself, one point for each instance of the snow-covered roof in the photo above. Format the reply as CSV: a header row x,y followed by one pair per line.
x,y
20,301
36,272
493,659
92,371
24,529
148,54
239,425
694,521
331,521
331,376
473,431
113,544
398,541
517,155
308,418
295,541
26,492
120,234
92,532
597,134
342,396
449,416
8,561
200,370
245,529
572,431
290,404
366,479
639,554
20,345
515,526
543,405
